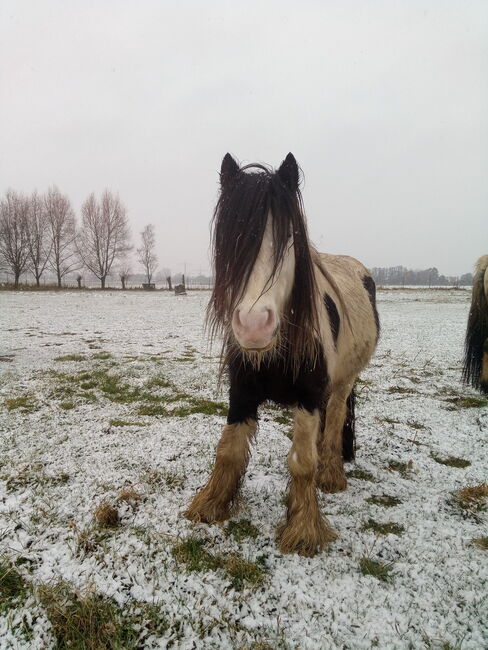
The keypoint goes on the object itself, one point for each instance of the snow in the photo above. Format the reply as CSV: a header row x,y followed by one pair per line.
x,y
437,592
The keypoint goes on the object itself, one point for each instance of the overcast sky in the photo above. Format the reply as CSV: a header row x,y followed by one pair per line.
x,y
384,105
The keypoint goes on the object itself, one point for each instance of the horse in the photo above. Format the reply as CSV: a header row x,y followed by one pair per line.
x,y
475,365
298,327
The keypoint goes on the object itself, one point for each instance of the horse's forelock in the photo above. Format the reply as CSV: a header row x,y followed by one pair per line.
x,y
239,223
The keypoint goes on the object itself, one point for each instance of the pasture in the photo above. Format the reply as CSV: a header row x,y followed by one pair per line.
x,y
109,418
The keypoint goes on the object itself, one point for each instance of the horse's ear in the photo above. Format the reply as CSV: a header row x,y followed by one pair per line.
x,y
228,170
288,172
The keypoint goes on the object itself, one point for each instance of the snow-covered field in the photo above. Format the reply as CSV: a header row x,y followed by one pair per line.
x,y
104,397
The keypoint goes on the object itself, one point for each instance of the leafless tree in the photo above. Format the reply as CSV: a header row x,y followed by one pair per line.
x,y
146,254
39,242
14,247
62,233
125,270
104,235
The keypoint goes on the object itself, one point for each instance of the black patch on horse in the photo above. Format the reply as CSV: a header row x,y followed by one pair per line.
x,y
276,380
370,286
334,318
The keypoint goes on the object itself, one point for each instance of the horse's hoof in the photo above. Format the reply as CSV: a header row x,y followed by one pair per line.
x,y
204,510
307,540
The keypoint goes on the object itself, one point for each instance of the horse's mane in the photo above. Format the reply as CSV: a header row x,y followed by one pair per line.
x,y
239,222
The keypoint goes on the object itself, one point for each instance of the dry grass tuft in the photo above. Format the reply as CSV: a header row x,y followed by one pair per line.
x,y
130,496
471,499
106,515
480,542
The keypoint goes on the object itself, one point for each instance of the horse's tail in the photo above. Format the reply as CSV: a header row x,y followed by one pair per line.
x,y
475,366
349,430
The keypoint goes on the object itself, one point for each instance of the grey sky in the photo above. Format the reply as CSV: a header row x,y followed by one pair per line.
x,y
384,104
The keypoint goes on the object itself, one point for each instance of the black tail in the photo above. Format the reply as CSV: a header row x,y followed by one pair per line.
x,y
349,430
476,342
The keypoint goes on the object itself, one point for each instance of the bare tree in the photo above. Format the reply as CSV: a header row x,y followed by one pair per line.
x,y
146,253
62,233
125,270
39,242
14,248
104,235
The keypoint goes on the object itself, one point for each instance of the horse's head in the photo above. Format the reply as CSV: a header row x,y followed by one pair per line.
x,y
262,257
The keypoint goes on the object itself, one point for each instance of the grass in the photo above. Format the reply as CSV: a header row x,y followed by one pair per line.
x,y
71,357
102,355
471,500
481,542
378,570
384,500
66,405
88,621
106,515
241,529
241,572
12,586
401,390
467,402
404,469
24,402
191,552
115,422
361,474
157,478
451,461
386,528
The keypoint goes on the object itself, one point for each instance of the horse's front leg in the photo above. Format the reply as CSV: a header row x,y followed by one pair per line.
x,y
216,500
331,476
305,531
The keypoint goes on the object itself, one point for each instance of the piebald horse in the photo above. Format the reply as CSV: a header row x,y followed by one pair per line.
x,y
298,327
475,367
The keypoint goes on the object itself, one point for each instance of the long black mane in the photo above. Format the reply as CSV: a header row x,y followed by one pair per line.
x,y
476,334
248,195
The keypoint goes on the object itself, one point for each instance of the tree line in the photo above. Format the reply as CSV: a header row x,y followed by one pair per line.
x,y
40,232
401,276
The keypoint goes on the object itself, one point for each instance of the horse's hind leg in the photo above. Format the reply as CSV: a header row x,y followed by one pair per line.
x,y
331,476
305,530
214,502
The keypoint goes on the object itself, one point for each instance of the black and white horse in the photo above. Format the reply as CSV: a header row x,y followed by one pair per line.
x,y
298,328
475,367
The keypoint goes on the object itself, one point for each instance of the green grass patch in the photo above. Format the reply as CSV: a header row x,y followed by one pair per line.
x,y
67,405
207,407
451,461
153,409
23,402
361,474
13,589
71,357
467,402
241,529
191,552
378,570
242,573
386,528
115,422
88,621
158,478
384,500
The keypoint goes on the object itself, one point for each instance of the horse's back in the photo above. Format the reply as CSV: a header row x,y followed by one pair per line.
x,y
353,291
